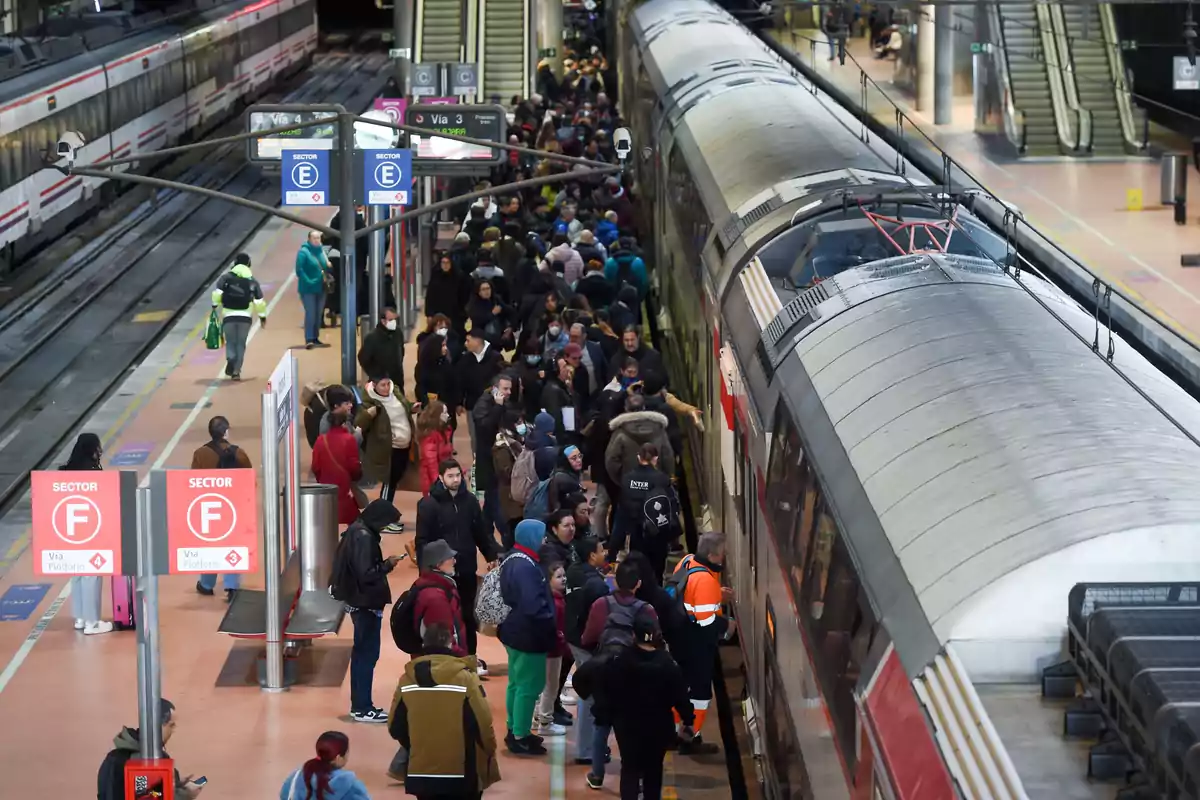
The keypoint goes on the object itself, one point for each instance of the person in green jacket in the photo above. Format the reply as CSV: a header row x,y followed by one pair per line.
x,y
311,265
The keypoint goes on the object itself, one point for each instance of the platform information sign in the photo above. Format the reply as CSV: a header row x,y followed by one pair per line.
x,y
76,523
485,122
393,107
304,177
212,520
387,176
271,146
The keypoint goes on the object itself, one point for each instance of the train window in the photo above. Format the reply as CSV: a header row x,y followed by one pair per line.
x,y
784,475
787,762
801,537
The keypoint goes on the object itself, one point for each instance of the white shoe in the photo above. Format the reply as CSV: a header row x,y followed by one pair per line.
x,y
567,699
79,624
570,683
482,668
93,628
550,729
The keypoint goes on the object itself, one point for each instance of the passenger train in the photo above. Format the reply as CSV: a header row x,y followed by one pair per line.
x,y
921,452
135,96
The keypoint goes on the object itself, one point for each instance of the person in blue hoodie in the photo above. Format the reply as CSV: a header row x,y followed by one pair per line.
x,y
606,229
311,266
528,633
545,449
325,777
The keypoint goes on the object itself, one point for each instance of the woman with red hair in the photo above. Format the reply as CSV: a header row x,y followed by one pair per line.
x,y
325,777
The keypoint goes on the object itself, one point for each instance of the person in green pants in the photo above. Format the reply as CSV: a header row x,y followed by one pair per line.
x,y
528,633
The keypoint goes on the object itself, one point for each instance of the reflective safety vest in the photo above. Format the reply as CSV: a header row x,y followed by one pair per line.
x,y
701,593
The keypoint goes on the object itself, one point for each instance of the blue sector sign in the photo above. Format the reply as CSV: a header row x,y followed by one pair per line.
x,y
387,176
304,177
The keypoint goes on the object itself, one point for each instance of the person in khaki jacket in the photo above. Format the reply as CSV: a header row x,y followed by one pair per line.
x,y
438,710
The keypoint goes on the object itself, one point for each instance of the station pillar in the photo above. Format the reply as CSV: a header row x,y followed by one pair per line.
x,y
943,67
550,34
926,27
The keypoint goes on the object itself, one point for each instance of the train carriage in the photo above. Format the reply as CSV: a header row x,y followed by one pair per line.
x,y
920,454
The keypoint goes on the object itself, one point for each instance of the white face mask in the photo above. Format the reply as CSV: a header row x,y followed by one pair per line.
x,y
555,331
390,324
442,331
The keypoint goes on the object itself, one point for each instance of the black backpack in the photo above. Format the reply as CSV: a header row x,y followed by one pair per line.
x,y
618,627
658,515
226,457
342,583
406,629
237,292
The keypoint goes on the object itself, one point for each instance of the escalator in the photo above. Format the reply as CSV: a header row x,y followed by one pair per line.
x,y
1093,75
439,31
1029,78
504,44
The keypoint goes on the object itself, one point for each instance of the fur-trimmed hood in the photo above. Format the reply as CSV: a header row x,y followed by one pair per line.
x,y
642,426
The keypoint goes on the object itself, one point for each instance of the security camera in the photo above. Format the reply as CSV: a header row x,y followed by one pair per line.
x,y
69,145
622,143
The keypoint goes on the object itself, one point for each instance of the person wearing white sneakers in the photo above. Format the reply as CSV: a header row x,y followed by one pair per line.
x,y
545,721
87,591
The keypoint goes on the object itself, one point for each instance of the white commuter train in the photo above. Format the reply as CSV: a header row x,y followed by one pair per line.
x,y
136,95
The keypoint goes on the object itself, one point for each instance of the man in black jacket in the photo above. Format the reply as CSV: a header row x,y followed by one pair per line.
x,y
362,584
487,415
452,514
647,512
126,745
476,370
382,351
631,346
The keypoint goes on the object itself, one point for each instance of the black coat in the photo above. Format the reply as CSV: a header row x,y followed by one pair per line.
x,y
585,585
553,550
644,688
382,354
556,397
488,416
596,288
447,293
647,357
435,374
459,521
365,559
475,375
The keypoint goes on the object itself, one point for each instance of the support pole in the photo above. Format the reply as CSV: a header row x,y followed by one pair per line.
x,y
375,271
402,40
550,33
943,67
426,233
399,279
270,550
926,82
149,667
346,246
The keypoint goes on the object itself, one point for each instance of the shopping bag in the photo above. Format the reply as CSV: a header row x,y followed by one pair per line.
x,y
212,334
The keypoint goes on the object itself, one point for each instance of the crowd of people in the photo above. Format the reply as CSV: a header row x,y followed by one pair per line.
x,y
533,340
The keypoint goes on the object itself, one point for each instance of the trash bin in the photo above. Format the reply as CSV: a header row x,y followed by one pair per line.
x,y
1174,178
318,535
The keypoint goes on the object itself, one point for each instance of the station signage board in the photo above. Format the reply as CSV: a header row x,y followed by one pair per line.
x,y
393,107
438,154
212,520
304,177
78,524
269,147
387,177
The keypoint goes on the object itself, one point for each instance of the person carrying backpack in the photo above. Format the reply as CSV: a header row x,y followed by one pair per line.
x,y
625,267
647,512
432,600
240,297
219,453
609,631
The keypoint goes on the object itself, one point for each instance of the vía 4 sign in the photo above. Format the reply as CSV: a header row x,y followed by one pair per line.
x,y
212,520
77,523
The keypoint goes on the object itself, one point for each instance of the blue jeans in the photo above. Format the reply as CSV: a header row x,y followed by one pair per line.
x,y
314,309
591,740
363,656
230,580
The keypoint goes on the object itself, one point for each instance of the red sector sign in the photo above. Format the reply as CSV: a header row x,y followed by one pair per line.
x,y
76,523
212,520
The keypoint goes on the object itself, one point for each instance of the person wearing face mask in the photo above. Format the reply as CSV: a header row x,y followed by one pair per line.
x,y
312,266
556,338
510,443
435,435
451,514
560,401
527,367
442,606
386,421
476,370
434,375
382,351
490,314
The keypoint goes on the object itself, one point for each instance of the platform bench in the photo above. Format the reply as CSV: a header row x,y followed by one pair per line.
x,y
303,615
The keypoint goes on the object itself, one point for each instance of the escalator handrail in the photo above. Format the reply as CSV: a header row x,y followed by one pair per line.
x,y
1082,117
1054,69
1014,118
1116,70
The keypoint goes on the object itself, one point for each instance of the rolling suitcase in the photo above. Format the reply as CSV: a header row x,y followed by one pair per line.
x,y
122,602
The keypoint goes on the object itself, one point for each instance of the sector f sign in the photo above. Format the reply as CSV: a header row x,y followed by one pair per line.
x,y
212,520
77,524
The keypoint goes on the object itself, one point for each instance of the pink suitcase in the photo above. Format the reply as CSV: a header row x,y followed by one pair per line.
x,y
122,602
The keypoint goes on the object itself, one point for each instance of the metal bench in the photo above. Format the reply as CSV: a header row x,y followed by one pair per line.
x,y
303,615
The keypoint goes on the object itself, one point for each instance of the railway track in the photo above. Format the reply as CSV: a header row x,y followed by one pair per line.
x,y
70,337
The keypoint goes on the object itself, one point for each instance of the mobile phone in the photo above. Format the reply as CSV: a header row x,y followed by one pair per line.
x,y
200,781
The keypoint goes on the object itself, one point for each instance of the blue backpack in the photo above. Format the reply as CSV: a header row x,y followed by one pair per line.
x,y
538,504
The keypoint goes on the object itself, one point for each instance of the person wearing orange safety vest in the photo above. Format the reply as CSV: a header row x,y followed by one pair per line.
x,y
699,578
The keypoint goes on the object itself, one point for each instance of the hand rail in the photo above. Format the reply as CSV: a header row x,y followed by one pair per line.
x,y
1116,70
418,31
1063,55
1068,134
1014,118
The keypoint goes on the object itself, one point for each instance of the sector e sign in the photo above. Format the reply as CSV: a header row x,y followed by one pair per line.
x,y
212,520
486,122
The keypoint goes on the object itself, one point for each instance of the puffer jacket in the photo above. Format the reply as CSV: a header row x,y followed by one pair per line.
x,y
629,432
377,437
436,447
441,717
504,457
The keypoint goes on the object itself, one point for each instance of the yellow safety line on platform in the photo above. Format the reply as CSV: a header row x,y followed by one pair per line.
x,y
152,316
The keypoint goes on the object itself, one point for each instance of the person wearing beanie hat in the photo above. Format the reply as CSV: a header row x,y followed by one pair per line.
x,y
528,633
442,605
361,583
544,445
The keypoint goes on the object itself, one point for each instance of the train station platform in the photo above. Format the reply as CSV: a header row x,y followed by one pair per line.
x,y
64,695
1079,204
